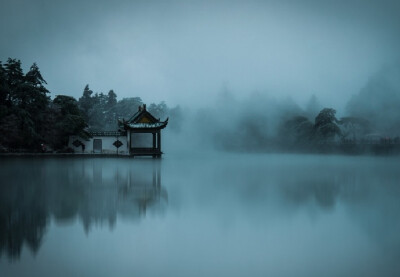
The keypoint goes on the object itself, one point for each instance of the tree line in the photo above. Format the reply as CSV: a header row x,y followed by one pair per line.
x,y
29,118
260,122
300,132
101,111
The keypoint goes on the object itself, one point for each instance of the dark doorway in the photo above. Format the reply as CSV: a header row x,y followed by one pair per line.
x,y
97,146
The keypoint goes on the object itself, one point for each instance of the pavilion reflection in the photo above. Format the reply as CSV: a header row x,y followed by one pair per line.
x,y
96,192
127,192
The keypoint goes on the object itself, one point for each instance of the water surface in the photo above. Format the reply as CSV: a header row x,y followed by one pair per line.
x,y
200,215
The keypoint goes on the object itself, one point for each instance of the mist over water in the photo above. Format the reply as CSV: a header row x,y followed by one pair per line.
x,y
241,81
200,214
262,121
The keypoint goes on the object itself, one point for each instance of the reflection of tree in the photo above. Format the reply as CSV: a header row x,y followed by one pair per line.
x,y
64,190
325,187
323,191
23,216
19,227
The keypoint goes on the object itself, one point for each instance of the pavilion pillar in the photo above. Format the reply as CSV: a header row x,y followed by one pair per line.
x,y
159,141
154,141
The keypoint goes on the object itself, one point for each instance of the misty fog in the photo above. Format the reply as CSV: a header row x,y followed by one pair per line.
x,y
185,52
280,123
256,121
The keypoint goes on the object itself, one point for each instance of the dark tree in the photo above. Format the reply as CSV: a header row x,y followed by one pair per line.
x,y
111,99
9,125
128,106
14,73
4,91
23,107
35,78
36,100
68,120
325,125
297,131
158,110
98,112
86,101
14,79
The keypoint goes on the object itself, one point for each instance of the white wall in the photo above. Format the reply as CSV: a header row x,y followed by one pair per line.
x,y
107,144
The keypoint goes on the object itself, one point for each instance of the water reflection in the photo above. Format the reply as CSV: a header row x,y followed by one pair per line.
x,y
92,190
365,189
233,214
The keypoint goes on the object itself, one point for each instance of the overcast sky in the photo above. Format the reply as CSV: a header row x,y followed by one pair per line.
x,y
181,51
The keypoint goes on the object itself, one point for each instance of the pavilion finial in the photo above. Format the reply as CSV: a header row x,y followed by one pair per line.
x,y
144,107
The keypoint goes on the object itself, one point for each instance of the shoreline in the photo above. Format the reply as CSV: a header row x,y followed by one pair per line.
x,y
89,155
114,155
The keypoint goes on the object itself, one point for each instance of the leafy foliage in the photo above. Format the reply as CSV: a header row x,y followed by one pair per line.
x,y
297,131
102,111
28,117
159,110
23,107
68,120
325,125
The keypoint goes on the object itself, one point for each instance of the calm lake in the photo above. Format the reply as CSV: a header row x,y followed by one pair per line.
x,y
200,215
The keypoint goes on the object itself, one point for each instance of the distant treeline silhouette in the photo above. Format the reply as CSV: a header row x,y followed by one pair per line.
x,y
290,129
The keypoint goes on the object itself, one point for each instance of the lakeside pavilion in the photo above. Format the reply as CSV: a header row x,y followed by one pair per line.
x,y
140,135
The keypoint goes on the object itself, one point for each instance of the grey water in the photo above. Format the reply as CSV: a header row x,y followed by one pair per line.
x,y
210,214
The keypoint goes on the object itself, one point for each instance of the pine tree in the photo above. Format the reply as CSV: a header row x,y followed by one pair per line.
x,y
14,73
111,99
86,102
